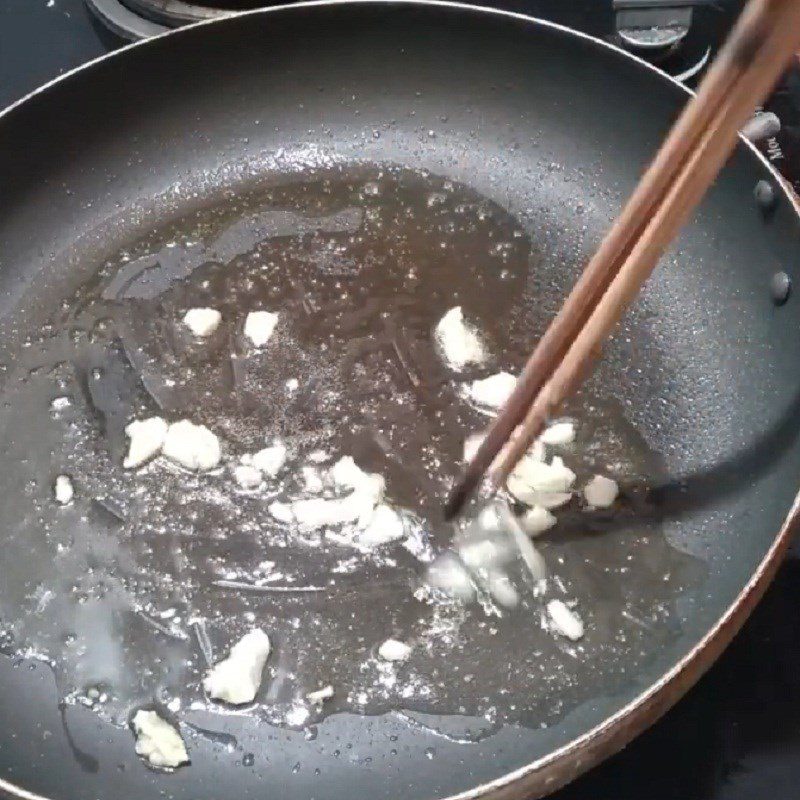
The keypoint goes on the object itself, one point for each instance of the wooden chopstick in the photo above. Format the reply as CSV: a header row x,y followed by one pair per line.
x,y
760,46
598,274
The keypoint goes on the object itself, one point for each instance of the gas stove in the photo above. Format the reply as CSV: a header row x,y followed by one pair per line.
x,y
736,736
679,35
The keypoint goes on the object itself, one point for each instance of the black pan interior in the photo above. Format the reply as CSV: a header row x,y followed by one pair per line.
x,y
550,126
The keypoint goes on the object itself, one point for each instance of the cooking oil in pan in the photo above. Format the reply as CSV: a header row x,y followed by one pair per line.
x,y
146,577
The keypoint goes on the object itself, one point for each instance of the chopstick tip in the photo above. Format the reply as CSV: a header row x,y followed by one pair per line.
x,y
455,500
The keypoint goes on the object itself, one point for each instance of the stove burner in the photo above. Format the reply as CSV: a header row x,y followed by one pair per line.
x,y
138,19
653,28
123,22
176,12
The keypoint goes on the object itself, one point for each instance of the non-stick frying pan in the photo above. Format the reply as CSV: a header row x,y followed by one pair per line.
x,y
547,125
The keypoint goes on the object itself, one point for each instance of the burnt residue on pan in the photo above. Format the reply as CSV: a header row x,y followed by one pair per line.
x,y
118,589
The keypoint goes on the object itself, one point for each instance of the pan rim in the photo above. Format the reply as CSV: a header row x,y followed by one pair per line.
x,y
564,764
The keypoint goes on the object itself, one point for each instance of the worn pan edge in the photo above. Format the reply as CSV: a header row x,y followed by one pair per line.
x,y
563,765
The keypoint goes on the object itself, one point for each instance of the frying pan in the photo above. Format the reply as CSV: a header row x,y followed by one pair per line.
x,y
553,127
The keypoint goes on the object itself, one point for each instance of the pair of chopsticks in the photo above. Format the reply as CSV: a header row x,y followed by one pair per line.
x,y
759,48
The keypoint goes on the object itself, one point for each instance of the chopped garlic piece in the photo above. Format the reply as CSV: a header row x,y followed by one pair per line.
x,y
458,342
531,471
385,526
147,438
502,589
537,520
534,561
318,512
158,741
601,492
312,480
531,497
483,553
247,476
270,460
536,451
544,477
489,518
237,679
281,512
320,695
192,446
259,325
561,477
346,474
492,392
537,483
471,445
448,574
559,433
63,490
202,321
564,620
372,523
393,650
297,714
520,489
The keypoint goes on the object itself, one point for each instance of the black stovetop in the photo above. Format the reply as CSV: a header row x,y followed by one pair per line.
x,y
736,735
